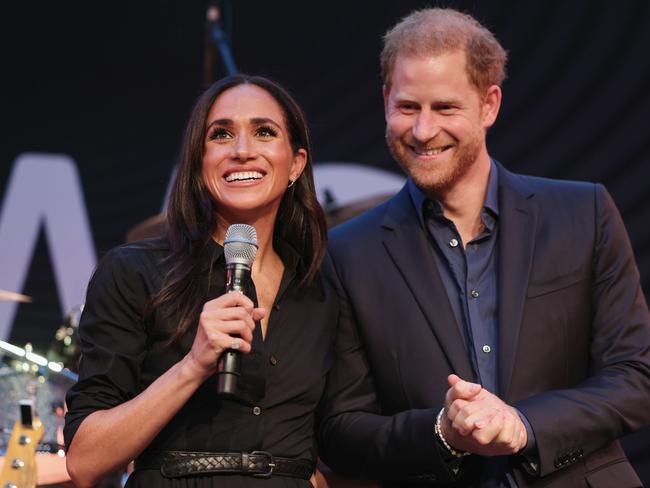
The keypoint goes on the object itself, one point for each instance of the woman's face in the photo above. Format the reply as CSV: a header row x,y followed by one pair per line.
x,y
248,161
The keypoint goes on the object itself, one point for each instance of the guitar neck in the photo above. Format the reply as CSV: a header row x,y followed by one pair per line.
x,y
19,469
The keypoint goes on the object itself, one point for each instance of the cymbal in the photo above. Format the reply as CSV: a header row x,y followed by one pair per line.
x,y
10,296
154,226
339,215
149,229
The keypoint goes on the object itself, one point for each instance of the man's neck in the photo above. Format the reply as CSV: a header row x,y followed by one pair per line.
x,y
462,203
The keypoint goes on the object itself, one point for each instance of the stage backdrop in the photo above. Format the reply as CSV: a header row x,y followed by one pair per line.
x,y
94,98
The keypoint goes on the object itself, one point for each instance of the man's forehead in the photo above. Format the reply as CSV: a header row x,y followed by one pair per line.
x,y
444,68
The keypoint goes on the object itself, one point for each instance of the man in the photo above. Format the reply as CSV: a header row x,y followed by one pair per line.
x,y
493,330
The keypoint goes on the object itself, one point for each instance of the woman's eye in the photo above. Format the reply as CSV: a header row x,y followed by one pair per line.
x,y
265,131
219,133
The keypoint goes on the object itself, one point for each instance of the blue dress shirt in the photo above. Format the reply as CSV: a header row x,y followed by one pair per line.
x,y
470,276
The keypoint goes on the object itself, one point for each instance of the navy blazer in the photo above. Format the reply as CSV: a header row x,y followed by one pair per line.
x,y
573,349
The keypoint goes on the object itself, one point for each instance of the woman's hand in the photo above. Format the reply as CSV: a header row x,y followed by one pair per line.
x,y
224,321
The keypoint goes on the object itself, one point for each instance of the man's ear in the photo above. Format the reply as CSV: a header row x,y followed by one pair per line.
x,y
491,105
385,90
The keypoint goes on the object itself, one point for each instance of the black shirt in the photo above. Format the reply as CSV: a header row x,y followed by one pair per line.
x,y
282,378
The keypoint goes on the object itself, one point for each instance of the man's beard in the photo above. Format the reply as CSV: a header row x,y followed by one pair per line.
x,y
436,177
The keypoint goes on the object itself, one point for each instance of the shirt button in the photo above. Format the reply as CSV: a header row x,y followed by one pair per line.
x,y
273,360
453,242
486,348
257,410
474,294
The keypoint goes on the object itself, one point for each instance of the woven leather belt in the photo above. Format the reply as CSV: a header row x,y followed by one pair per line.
x,y
176,464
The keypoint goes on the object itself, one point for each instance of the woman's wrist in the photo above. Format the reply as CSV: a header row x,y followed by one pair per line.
x,y
190,369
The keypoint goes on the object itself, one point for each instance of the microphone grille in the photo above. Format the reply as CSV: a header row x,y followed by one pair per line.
x,y
240,244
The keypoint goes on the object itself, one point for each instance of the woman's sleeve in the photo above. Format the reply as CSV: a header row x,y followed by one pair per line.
x,y
113,337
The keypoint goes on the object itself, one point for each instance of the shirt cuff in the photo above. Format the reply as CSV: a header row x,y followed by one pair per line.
x,y
529,452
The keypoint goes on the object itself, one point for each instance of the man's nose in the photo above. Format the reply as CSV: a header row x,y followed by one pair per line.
x,y
426,126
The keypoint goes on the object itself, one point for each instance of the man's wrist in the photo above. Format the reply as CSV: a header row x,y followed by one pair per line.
x,y
437,430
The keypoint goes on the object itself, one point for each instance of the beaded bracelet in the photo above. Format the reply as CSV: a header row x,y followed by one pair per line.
x,y
438,431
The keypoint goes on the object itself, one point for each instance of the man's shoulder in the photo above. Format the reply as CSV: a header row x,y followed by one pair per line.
x,y
555,184
551,189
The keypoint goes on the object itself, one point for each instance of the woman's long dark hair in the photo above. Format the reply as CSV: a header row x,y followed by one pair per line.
x,y
191,210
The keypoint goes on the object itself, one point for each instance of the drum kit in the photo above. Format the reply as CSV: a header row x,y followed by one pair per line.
x,y
32,406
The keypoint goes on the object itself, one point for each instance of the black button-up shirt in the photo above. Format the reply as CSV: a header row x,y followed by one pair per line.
x,y
282,379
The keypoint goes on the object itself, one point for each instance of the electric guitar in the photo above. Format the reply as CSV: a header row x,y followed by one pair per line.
x,y
19,469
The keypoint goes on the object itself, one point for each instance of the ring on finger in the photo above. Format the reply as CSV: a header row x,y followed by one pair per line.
x,y
235,344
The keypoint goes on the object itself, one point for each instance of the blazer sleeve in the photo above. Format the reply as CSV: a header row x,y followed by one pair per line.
x,y
614,400
354,437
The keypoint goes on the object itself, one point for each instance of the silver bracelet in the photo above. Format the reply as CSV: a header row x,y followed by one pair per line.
x,y
438,431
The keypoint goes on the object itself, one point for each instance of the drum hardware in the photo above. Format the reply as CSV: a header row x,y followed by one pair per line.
x,y
64,349
10,296
29,361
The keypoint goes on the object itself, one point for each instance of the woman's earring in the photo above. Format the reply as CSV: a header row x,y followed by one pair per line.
x,y
291,183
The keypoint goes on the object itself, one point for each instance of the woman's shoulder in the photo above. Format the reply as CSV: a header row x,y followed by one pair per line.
x,y
153,250
140,258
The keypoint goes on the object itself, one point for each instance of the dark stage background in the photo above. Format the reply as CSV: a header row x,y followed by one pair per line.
x,y
110,85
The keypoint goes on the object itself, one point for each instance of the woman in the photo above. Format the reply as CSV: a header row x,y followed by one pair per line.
x,y
156,317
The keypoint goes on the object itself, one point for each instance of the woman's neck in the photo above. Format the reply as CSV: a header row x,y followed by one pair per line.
x,y
264,228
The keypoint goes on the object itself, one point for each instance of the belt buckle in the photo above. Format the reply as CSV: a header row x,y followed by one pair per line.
x,y
270,462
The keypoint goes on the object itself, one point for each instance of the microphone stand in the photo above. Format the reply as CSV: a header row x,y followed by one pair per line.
x,y
220,39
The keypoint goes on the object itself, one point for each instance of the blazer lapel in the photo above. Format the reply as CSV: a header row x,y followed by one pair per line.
x,y
517,225
409,248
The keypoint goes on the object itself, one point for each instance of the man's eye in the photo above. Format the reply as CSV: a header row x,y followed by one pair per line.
x,y
445,108
407,107
219,133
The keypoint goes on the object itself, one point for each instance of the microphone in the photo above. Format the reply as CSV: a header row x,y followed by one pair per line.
x,y
240,248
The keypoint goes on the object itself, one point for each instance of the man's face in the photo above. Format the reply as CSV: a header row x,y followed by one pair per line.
x,y
436,120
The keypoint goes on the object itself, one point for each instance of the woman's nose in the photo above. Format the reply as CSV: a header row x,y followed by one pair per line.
x,y
244,148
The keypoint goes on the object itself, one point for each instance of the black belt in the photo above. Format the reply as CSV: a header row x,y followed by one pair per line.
x,y
176,464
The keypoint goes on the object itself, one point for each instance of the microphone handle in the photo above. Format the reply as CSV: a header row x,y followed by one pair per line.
x,y
229,364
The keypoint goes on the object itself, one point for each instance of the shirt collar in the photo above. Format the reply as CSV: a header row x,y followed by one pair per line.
x,y
419,198
212,255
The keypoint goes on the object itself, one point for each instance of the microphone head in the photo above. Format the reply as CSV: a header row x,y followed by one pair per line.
x,y
240,244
